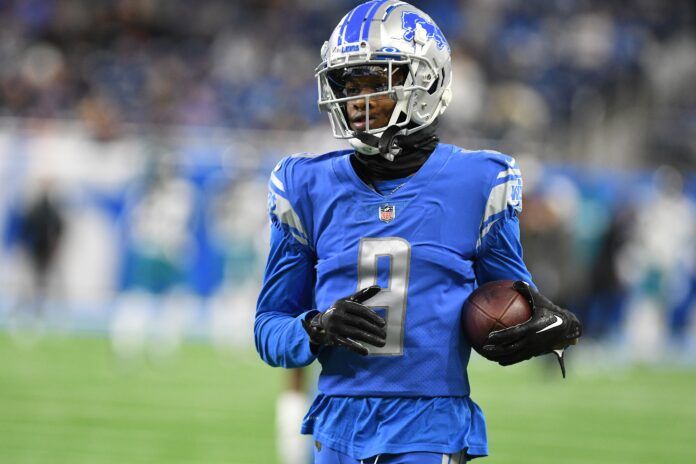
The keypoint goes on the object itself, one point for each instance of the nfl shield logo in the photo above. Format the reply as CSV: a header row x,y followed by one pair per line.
x,y
387,213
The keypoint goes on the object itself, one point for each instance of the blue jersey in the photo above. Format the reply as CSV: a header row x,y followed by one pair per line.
x,y
428,243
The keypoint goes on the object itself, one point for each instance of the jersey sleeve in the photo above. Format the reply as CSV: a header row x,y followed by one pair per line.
x,y
287,293
499,250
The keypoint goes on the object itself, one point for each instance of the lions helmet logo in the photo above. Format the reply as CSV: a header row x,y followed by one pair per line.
x,y
410,21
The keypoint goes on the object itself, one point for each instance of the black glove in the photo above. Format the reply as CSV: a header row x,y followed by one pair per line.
x,y
348,323
550,330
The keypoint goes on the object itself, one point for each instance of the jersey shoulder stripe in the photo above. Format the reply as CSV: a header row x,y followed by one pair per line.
x,y
281,210
287,206
280,207
504,187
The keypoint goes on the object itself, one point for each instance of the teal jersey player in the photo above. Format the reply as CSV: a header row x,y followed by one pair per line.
x,y
375,249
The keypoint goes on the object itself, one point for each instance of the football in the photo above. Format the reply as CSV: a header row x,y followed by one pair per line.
x,y
493,306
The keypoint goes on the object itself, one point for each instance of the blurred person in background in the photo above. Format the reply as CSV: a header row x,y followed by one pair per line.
x,y
608,291
40,235
236,223
546,230
291,407
413,225
656,261
154,305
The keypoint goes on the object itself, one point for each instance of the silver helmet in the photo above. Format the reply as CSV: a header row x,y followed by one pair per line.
x,y
403,44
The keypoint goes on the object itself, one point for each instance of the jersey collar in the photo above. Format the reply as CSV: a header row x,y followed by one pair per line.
x,y
346,174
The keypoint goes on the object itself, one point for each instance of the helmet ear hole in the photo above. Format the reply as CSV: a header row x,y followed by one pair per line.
x,y
402,118
436,83
433,86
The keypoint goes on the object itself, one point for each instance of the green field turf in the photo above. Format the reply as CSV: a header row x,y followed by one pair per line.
x,y
68,401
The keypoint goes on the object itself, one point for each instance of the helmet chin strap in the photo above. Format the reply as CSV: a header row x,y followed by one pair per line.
x,y
388,144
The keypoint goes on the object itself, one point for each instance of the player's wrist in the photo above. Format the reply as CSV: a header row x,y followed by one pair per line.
x,y
309,315
310,324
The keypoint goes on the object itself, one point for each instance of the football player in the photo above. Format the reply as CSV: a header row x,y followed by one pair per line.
x,y
291,405
374,250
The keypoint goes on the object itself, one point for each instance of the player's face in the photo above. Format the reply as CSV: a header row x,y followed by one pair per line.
x,y
381,107
364,80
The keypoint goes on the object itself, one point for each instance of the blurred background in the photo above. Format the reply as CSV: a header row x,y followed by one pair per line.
x,y
136,140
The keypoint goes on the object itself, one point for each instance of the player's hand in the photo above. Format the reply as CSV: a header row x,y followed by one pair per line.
x,y
550,330
348,323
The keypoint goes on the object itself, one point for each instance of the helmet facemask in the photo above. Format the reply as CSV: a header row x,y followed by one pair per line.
x,y
395,76
363,85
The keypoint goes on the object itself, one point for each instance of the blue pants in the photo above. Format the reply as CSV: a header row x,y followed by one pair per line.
x,y
326,455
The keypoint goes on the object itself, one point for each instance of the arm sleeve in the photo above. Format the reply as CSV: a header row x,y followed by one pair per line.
x,y
499,252
287,293
501,256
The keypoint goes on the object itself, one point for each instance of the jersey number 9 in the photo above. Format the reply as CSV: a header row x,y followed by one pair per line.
x,y
392,298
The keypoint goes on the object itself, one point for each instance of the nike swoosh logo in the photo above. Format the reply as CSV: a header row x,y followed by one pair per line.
x,y
558,322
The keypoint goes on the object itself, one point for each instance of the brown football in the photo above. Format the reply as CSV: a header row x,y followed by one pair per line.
x,y
493,306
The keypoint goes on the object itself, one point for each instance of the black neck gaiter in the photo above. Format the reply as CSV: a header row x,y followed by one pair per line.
x,y
415,151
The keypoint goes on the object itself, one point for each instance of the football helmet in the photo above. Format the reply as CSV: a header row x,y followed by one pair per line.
x,y
403,50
